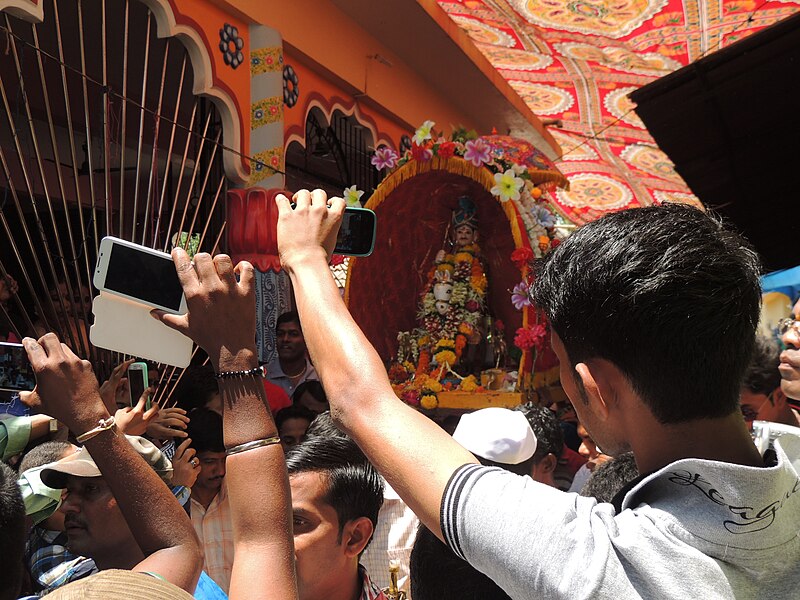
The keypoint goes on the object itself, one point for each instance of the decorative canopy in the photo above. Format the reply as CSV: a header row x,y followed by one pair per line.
x,y
577,62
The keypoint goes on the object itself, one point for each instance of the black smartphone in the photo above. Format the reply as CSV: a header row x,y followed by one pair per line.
x,y
357,233
16,373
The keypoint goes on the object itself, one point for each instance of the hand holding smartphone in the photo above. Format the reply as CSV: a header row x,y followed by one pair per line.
x,y
138,383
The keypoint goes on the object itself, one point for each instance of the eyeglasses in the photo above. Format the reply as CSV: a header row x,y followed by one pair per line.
x,y
784,325
751,414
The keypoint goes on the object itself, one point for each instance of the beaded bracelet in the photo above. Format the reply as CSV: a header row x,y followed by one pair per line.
x,y
253,445
259,370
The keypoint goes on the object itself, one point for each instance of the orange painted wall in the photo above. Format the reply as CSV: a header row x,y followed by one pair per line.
x,y
339,50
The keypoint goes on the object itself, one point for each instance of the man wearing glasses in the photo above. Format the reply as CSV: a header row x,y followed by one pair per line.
x,y
762,398
790,358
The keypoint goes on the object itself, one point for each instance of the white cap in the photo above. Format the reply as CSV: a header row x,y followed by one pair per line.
x,y
497,434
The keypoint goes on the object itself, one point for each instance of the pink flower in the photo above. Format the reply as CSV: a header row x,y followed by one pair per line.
x,y
519,296
531,337
384,158
477,152
421,153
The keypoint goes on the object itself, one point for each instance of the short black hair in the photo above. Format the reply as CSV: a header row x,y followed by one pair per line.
x,y
43,454
547,429
293,411
313,387
196,387
436,573
205,430
610,477
762,375
668,295
354,488
288,317
324,426
12,533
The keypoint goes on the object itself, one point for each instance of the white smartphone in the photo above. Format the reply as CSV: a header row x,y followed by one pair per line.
x,y
139,273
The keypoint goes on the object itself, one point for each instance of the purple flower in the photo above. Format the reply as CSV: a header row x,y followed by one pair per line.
x,y
477,152
384,158
519,296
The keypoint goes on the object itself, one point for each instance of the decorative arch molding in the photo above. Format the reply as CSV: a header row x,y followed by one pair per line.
x,y
327,106
194,23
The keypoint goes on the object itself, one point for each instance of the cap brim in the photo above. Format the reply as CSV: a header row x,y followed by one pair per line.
x,y
56,475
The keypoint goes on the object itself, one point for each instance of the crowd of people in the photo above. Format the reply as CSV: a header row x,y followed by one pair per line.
x,y
646,485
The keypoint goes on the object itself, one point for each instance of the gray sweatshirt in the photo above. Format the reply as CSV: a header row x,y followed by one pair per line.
x,y
694,529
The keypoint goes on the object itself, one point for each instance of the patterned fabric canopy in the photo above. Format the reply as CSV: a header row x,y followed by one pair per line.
x,y
577,61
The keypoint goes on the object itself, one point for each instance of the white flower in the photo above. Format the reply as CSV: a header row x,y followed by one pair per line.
x,y
352,196
423,133
507,186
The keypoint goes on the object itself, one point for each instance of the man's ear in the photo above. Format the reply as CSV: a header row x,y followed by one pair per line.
x,y
591,388
778,398
548,463
356,535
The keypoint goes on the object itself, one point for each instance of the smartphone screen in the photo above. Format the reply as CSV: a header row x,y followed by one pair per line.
x,y
357,233
145,276
137,382
16,373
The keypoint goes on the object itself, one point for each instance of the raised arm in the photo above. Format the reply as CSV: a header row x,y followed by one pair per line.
x,y
414,455
68,390
221,319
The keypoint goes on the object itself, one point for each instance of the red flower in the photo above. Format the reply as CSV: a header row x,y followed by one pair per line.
x,y
446,150
499,325
521,256
472,306
554,243
421,153
531,337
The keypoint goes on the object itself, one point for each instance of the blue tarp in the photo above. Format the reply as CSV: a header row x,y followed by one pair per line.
x,y
786,281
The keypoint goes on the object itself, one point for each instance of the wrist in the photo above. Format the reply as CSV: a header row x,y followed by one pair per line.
x,y
241,360
293,261
87,419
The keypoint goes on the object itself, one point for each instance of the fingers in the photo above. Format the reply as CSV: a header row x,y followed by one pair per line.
x,y
247,276
336,207
31,399
302,200
319,198
204,265
225,270
183,266
177,322
284,205
121,368
140,404
182,447
36,354
51,345
172,422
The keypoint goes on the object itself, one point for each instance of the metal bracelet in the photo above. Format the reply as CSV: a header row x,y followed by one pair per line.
x,y
254,444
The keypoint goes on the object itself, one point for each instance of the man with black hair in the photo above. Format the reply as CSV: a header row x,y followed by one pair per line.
x,y
292,366
549,442
292,423
762,398
210,508
12,534
610,477
790,358
336,496
653,314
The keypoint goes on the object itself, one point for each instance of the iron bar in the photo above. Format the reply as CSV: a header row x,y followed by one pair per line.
x,y
141,126
200,195
123,122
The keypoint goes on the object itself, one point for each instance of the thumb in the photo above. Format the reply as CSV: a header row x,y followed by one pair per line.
x,y
177,322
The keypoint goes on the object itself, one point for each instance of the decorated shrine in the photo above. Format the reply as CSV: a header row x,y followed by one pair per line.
x,y
444,296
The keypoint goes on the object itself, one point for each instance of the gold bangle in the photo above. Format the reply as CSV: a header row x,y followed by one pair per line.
x,y
253,445
102,425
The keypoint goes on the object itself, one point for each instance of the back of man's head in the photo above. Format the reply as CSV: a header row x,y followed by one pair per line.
x,y
762,375
546,427
44,454
12,533
205,430
323,426
666,294
610,477
354,488
436,573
